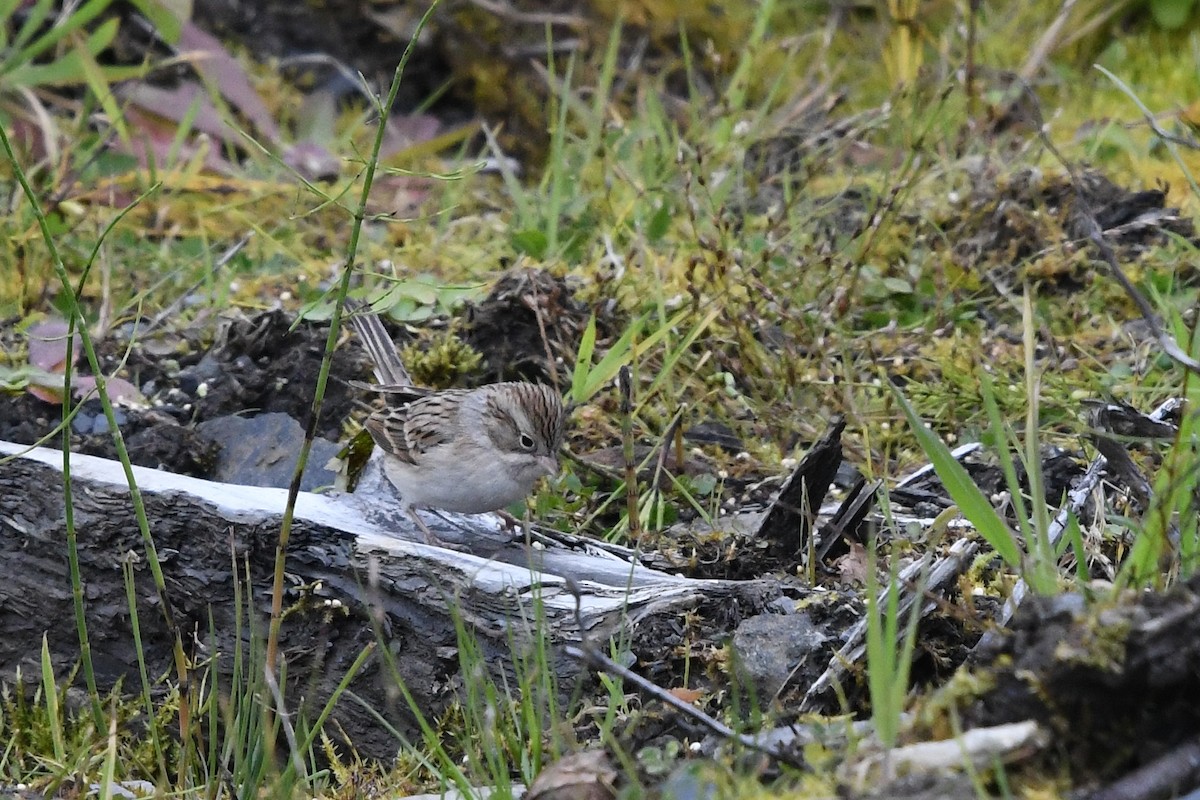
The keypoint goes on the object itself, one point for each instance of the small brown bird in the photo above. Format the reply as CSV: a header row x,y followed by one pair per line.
x,y
464,450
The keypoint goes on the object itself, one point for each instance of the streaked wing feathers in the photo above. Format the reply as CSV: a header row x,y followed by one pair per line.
x,y
394,394
387,429
421,425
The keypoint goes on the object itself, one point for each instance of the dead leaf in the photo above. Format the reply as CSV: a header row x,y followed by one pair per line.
x,y
313,161
174,104
582,776
154,115
47,342
853,566
686,695
221,70
45,392
119,390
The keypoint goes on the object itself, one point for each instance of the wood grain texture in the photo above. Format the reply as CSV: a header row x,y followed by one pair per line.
x,y
357,574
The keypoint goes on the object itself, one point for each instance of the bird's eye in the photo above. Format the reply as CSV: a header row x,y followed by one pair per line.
x,y
527,442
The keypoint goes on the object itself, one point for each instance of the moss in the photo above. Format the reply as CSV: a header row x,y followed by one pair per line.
x,y
936,714
1101,643
442,362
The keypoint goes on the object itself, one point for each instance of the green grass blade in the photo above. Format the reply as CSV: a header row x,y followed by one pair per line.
x,y
616,357
34,17
98,80
166,24
152,724
583,360
672,358
108,772
962,489
53,713
76,21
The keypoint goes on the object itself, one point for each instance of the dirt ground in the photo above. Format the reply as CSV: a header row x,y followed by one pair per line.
x,y
1110,680
1063,663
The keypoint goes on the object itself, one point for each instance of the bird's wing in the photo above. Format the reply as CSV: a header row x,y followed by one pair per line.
x,y
387,429
421,425
395,394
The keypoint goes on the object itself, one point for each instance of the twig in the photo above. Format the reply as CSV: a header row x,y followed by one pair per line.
x,y
348,75
281,713
1167,776
528,17
944,570
1075,500
970,86
533,303
1092,230
959,453
1152,120
589,654
664,447
849,514
1151,219
793,511
1045,45
625,386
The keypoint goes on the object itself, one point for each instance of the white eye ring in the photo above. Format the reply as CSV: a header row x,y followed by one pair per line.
x,y
526,441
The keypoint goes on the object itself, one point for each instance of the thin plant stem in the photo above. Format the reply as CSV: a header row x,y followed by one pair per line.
x,y
85,647
360,215
625,383
68,413
143,672
135,495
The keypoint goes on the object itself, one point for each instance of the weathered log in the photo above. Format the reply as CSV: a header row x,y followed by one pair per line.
x,y
358,573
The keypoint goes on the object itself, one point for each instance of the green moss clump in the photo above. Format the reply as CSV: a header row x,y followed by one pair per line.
x,y
444,362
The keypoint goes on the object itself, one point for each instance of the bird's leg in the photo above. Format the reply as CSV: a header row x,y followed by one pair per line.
x,y
511,523
519,531
430,537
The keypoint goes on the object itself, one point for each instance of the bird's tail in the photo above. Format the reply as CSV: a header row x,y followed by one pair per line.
x,y
389,369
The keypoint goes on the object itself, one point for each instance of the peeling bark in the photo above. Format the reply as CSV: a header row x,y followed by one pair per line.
x,y
352,559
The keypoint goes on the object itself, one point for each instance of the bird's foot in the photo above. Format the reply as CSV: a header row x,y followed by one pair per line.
x,y
431,538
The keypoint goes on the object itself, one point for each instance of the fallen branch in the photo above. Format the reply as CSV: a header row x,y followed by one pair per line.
x,y
352,559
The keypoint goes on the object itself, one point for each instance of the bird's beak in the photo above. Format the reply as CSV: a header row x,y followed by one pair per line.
x,y
549,465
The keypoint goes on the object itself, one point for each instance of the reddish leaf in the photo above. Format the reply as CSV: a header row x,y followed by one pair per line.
x,y
399,196
854,567
154,139
34,133
176,104
686,695
405,131
222,71
119,390
312,161
47,342
580,776
45,393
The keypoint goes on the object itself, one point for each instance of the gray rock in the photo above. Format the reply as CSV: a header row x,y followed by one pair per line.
x,y
262,451
770,646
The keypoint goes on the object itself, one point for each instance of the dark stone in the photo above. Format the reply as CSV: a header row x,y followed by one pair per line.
x,y
262,451
770,646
